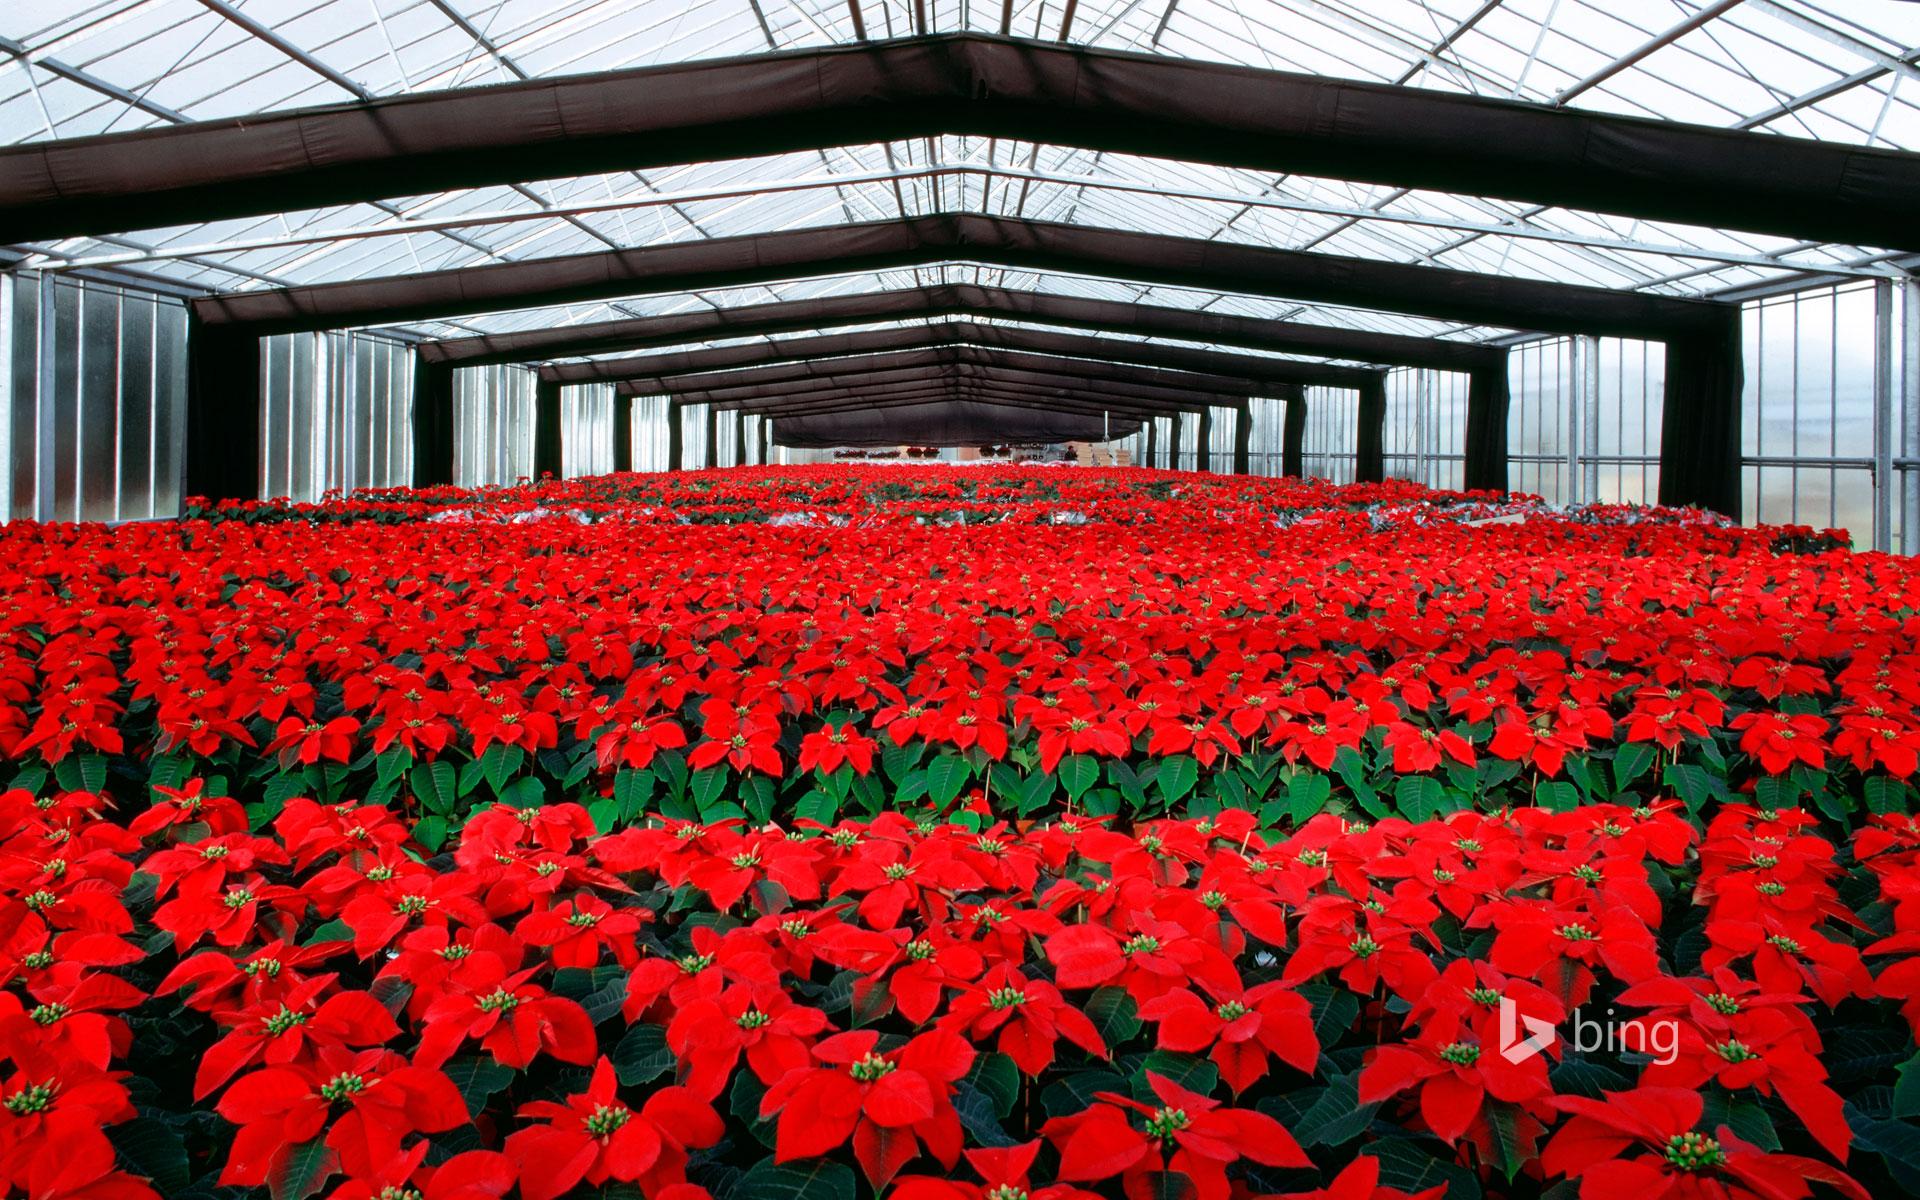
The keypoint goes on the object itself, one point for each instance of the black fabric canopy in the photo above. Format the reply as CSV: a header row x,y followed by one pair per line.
x,y
952,422
1437,292
948,300
963,84
751,382
1053,398
661,369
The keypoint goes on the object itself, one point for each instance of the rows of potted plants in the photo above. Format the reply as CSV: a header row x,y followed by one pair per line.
x,y
835,832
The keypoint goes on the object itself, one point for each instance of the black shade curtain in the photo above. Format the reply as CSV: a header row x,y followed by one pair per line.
x,y
943,423
432,423
1700,430
1436,292
1030,91
223,440
1294,434
953,300
1369,449
668,372
1485,449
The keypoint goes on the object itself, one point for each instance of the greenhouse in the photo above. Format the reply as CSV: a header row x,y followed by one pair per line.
x,y
959,599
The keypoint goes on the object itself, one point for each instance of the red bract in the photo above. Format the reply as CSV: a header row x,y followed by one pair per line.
x,y
898,817
364,1104
1239,1030
1187,1134
1023,1017
890,1105
595,1137
1646,1143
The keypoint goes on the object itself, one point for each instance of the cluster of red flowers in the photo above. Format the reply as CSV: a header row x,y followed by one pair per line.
x,y
1134,655
981,835
1186,1009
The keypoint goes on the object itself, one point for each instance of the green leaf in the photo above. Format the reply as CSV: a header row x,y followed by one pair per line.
x,y
153,1149
1114,1014
81,772
1190,1071
1307,793
816,806
814,1179
1630,762
642,1055
303,1171
431,833
1885,795
1692,783
896,761
1773,791
977,1117
947,775
998,1080
757,796
1406,1166
1509,1153
1077,773
528,791
1128,782
1178,774
1336,1116
479,1079
707,785
1073,1093
435,785
1906,1092
1748,1118
1417,797
500,763
1557,796
1334,1010
633,790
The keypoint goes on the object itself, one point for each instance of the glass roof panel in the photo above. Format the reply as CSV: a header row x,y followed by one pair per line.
x,y
1846,72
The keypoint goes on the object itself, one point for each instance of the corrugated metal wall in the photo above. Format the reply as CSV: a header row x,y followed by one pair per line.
x,y
93,383
335,414
586,430
492,425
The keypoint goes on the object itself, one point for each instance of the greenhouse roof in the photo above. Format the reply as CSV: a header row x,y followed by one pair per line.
x,y
1839,74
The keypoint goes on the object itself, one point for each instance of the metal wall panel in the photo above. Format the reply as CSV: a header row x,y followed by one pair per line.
x,y
1330,443
94,382
1584,424
1426,427
335,414
586,440
492,425
650,433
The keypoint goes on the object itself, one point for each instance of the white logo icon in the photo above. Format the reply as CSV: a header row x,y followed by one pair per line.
x,y
1540,1033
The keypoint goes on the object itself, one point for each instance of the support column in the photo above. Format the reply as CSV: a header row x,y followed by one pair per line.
x,y
1489,395
676,437
1369,451
1293,436
739,438
1910,417
1883,402
432,423
1153,443
546,430
622,432
223,411
1203,441
713,437
766,441
1700,421
1243,439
